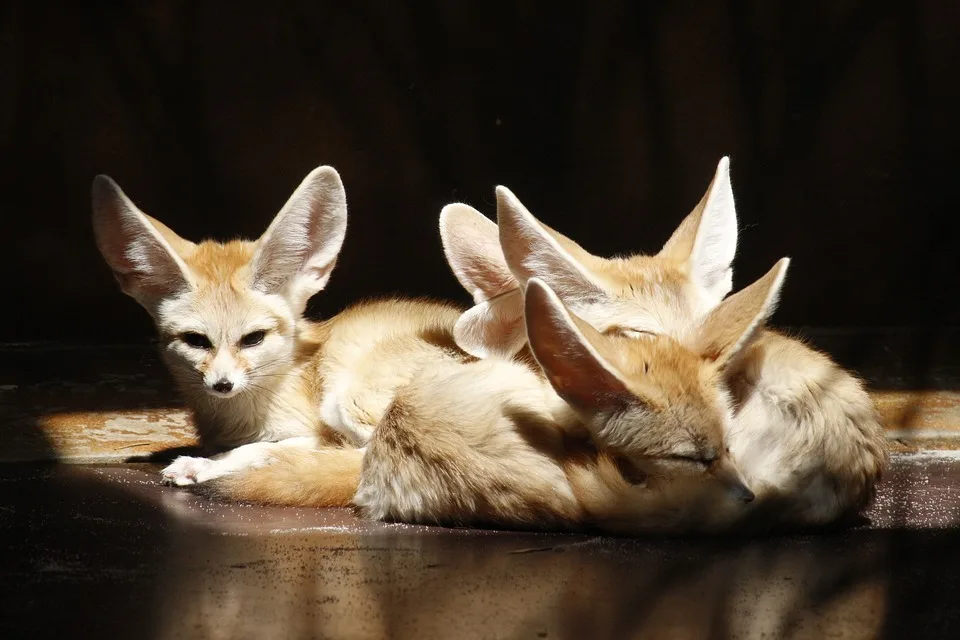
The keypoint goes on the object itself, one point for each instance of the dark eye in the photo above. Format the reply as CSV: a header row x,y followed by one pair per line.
x,y
197,340
253,338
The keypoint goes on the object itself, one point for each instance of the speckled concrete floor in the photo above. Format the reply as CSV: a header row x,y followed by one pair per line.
x,y
104,552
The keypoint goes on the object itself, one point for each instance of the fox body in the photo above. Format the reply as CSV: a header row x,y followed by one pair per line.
x,y
804,433
255,374
612,432
495,438
619,433
493,441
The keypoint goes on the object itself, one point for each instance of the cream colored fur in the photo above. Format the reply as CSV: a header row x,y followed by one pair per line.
x,y
629,435
493,441
803,427
300,385
622,434
665,293
362,357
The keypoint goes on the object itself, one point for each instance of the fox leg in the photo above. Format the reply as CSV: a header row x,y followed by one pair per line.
x,y
188,470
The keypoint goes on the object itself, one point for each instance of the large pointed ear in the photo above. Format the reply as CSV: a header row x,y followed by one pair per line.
x,y
493,327
707,239
141,252
730,327
298,251
564,347
471,243
531,251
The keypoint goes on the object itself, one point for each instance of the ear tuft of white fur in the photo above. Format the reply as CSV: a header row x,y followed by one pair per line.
x,y
143,262
297,253
530,251
471,244
715,244
773,297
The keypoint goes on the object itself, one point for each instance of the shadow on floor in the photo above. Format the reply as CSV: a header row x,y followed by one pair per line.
x,y
107,552
87,402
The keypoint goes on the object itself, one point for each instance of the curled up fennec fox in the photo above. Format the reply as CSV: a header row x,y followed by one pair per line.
x,y
659,462
804,433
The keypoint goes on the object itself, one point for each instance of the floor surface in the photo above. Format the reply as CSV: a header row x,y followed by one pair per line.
x,y
96,404
106,552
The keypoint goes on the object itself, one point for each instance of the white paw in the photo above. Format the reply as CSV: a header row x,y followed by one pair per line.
x,y
186,471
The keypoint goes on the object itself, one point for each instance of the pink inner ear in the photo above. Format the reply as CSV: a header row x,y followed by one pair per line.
x,y
471,243
142,265
488,279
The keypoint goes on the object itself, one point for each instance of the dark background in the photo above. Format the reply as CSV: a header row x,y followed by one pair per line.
x,y
606,118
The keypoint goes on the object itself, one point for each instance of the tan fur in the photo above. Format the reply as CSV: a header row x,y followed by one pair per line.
x,y
805,431
666,293
283,402
298,477
469,444
372,349
350,370
357,361
640,446
305,387
493,443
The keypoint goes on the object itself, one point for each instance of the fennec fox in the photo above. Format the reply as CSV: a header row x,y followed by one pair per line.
x,y
623,434
708,265
802,426
229,318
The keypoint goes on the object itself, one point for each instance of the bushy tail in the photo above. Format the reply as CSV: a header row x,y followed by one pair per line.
x,y
294,478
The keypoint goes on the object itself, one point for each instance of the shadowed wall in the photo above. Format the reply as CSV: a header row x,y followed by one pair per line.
x,y
606,119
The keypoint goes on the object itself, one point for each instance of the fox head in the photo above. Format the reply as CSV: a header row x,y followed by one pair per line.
x,y
664,293
226,313
655,402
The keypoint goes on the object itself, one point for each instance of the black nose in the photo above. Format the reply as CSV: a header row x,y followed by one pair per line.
x,y
746,495
223,386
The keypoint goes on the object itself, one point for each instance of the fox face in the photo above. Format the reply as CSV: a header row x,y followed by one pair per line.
x,y
640,295
659,405
220,335
226,313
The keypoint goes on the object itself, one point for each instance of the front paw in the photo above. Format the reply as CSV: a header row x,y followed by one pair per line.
x,y
187,470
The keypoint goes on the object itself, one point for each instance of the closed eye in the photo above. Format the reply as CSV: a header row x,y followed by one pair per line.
x,y
635,333
252,339
690,459
196,340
